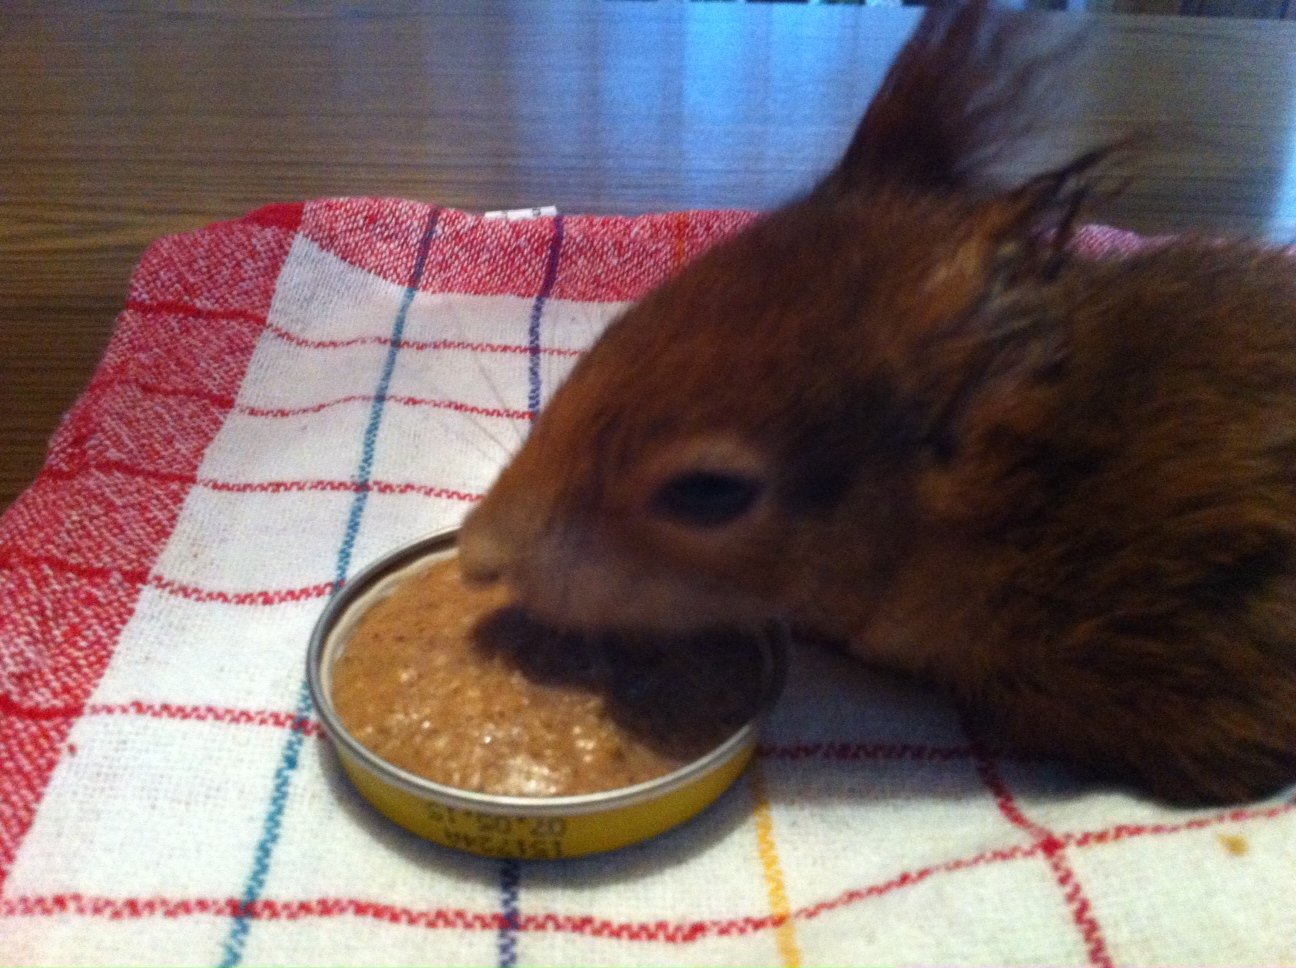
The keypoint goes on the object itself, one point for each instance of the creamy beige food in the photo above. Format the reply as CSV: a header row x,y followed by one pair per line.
x,y
454,684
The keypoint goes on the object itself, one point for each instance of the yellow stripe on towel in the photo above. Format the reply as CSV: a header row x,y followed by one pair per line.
x,y
785,931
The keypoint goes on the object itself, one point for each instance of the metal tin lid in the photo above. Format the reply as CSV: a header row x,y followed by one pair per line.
x,y
379,580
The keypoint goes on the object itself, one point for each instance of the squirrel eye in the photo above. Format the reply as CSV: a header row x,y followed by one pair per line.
x,y
707,499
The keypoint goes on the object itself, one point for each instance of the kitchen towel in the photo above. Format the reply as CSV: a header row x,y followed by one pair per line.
x,y
293,394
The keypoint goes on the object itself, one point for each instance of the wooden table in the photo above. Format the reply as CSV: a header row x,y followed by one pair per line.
x,y
120,123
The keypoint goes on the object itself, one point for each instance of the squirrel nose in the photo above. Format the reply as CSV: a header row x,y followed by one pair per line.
x,y
483,557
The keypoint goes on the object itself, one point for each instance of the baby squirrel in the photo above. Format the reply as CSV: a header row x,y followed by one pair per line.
x,y
899,412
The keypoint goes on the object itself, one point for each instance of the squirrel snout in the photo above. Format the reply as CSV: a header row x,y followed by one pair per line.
x,y
483,557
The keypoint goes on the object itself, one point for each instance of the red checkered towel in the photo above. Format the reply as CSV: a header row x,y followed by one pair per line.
x,y
291,395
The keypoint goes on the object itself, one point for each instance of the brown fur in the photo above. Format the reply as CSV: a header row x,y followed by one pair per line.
x,y
1062,490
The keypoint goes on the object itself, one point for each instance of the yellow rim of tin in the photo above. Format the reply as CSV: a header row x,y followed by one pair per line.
x,y
503,826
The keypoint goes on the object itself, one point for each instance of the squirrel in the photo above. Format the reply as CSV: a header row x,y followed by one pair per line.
x,y
901,412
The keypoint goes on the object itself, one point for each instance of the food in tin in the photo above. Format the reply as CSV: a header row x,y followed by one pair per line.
x,y
454,684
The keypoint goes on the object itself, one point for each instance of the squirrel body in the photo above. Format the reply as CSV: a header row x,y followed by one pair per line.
x,y
901,413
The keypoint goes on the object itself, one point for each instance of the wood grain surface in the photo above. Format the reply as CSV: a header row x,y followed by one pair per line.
x,y
121,122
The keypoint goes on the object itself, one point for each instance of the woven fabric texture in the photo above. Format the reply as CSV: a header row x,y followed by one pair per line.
x,y
291,395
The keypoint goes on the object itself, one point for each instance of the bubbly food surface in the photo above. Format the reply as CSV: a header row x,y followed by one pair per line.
x,y
455,684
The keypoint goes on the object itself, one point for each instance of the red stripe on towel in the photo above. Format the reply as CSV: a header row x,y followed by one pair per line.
x,y
368,400
412,344
107,466
165,710
1053,848
65,649
662,931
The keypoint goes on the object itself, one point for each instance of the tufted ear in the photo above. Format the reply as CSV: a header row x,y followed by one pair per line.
x,y
1030,227
1018,237
972,373
971,84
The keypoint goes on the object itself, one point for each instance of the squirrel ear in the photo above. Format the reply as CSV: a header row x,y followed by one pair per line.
x,y
1019,235
971,86
1013,240
1030,228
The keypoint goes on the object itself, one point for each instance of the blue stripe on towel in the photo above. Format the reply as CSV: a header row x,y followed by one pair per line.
x,y
537,310
510,880
234,944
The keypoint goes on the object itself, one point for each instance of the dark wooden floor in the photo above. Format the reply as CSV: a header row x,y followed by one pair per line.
x,y
120,123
